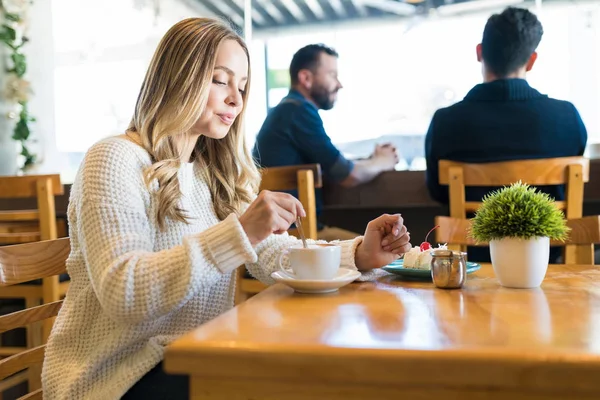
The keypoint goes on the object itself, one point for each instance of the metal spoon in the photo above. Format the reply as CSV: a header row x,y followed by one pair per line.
x,y
301,232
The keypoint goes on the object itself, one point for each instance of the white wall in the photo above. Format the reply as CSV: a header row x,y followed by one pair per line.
x,y
40,56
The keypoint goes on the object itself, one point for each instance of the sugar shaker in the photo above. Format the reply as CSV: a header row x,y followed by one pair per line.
x,y
448,268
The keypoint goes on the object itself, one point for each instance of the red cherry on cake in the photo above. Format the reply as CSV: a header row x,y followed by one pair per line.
x,y
426,245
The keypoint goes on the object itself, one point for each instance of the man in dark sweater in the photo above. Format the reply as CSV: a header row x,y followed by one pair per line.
x,y
293,132
504,118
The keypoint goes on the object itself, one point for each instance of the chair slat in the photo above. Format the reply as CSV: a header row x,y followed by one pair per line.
x,y
31,291
13,381
12,187
37,395
20,215
21,361
30,261
454,231
19,237
28,316
47,209
547,171
6,351
584,231
19,226
19,264
286,178
306,195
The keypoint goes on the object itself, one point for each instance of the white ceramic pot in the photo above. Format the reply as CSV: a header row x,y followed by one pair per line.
x,y
520,263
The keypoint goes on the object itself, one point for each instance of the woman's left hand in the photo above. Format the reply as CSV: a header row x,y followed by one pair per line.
x,y
386,238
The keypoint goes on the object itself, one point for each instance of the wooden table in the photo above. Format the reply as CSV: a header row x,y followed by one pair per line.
x,y
394,339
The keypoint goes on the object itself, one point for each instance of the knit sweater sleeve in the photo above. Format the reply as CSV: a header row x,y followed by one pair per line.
x,y
133,282
270,249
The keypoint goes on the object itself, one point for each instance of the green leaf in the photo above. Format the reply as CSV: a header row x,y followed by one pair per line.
x,y
19,63
13,17
7,34
21,131
29,157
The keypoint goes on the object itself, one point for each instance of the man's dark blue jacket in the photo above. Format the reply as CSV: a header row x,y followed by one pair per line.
x,y
500,121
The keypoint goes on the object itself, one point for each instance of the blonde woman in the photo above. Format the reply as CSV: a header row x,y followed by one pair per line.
x,y
161,217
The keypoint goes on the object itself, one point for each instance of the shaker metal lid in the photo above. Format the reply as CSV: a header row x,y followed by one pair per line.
x,y
447,253
441,253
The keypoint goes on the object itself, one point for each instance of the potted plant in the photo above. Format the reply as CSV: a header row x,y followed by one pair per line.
x,y
518,222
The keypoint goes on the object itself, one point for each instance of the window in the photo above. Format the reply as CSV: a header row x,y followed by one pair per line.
x,y
103,49
396,76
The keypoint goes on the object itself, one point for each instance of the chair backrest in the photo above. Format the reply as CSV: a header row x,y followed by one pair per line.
x,y
304,179
570,171
41,187
23,263
585,232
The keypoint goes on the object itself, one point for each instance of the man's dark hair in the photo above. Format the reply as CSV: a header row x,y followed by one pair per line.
x,y
509,39
308,58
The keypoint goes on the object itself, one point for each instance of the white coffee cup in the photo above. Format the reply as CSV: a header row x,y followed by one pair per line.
x,y
317,262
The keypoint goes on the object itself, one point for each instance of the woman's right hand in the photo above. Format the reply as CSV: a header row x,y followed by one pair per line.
x,y
271,212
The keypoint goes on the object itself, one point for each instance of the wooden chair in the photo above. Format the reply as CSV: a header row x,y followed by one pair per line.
x,y
304,179
23,263
585,232
22,226
570,171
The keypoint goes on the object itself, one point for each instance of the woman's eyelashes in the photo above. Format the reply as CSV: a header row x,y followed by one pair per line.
x,y
221,83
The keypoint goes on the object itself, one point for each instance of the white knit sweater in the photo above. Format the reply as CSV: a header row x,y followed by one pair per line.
x,y
134,288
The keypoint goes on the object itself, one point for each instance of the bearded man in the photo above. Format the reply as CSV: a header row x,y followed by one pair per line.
x,y
293,132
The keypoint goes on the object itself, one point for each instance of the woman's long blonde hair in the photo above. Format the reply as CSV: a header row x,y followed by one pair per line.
x,y
172,98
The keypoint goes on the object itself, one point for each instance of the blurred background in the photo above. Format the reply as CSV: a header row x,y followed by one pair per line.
x,y
399,62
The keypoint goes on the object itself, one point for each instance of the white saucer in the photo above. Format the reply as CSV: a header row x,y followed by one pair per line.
x,y
343,277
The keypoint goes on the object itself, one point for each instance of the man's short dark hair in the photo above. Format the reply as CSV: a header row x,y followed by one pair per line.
x,y
308,58
509,39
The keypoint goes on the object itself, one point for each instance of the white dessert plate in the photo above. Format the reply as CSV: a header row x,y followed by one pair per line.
x,y
343,277
397,267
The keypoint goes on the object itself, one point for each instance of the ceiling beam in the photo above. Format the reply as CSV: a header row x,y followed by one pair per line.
x,y
475,5
235,7
271,10
350,24
329,11
361,10
294,9
390,6
261,10
198,7
257,17
316,9
296,17
350,8
228,12
338,7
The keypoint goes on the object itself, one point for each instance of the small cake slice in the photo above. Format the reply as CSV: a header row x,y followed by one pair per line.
x,y
417,259
411,259
420,257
